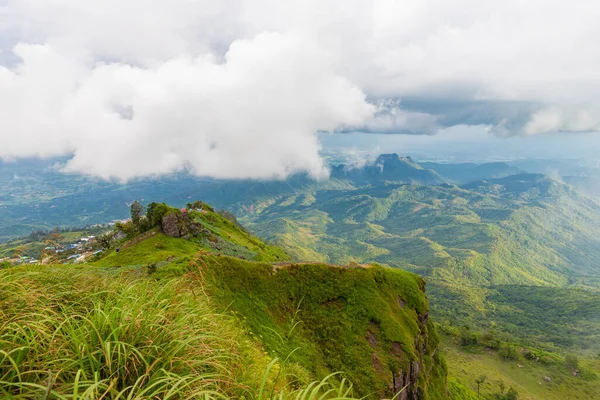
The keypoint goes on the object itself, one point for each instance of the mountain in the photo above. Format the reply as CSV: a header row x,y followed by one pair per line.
x,y
41,199
191,305
511,265
387,167
556,167
536,187
35,196
524,229
462,173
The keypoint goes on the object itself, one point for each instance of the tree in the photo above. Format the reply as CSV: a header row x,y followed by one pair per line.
x,y
479,381
155,212
137,212
509,352
106,239
127,228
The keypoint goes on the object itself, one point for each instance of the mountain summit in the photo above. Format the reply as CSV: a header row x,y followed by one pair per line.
x,y
388,167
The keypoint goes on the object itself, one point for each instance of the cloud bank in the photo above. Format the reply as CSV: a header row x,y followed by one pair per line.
x,y
239,89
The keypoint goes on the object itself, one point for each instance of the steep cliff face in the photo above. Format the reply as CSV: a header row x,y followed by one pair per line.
x,y
370,322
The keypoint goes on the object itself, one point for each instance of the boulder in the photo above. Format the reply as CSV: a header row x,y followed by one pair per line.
x,y
170,225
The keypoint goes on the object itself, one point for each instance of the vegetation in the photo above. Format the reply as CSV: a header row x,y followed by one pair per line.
x,y
511,261
523,257
169,317
75,332
378,317
522,378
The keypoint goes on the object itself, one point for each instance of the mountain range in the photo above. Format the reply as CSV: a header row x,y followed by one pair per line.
x,y
510,257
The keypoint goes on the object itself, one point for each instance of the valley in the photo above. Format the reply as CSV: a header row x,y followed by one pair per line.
x,y
510,260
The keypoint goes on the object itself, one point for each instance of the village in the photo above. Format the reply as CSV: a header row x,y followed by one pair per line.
x,y
63,248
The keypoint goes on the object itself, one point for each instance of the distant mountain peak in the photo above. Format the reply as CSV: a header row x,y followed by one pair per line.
x,y
388,167
384,158
393,157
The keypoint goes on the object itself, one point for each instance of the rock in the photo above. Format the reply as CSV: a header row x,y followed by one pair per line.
x,y
423,318
371,338
398,385
415,368
401,302
170,225
376,363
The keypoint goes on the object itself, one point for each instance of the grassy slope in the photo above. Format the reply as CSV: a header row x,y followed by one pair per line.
x,y
320,316
224,237
118,331
113,333
232,239
156,247
465,367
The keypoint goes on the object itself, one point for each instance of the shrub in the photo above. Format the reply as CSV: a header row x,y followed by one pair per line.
x,y
509,352
151,268
467,337
572,361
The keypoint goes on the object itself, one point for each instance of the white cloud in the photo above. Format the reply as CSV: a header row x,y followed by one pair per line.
x,y
253,116
236,88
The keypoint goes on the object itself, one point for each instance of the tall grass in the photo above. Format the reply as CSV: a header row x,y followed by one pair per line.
x,y
87,333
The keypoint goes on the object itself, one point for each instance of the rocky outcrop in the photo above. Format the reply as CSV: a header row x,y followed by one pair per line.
x,y
409,379
170,225
179,225
407,382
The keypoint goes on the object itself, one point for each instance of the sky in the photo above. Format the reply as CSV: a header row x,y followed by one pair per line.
x,y
248,89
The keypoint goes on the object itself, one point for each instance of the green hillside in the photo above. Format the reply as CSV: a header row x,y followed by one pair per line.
x,y
521,230
387,167
462,173
370,322
510,262
529,379
215,313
